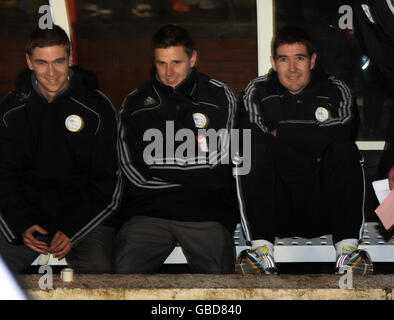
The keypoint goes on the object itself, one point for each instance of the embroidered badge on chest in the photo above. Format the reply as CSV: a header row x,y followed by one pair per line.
x,y
322,114
200,120
74,123
149,101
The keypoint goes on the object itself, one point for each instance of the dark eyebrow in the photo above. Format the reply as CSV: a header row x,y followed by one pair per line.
x,y
40,60
297,55
44,61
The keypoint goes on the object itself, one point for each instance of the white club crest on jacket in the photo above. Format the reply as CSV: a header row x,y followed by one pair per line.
x,y
322,114
74,123
200,120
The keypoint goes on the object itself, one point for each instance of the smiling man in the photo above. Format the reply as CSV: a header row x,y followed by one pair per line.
x,y
306,178
173,64
293,64
59,179
181,199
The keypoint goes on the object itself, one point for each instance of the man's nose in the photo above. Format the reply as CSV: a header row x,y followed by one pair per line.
x,y
51,70
169,70
292,65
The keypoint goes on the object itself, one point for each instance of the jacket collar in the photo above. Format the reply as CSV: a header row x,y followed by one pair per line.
x,y
186,87
79,79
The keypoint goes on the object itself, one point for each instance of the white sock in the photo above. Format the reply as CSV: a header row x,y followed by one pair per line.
x,y
346,246
268,247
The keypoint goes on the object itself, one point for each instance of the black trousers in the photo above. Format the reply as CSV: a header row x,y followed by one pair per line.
x,y
143,243
289,193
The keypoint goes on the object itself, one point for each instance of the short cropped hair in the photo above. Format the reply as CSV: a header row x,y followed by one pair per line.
x,y
41,38
172,35
291,35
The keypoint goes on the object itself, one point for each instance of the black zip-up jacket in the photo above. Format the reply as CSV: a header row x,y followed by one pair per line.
x,y
61,180
269,105
185,188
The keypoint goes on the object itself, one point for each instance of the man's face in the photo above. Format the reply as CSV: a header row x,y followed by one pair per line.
x,y
51,67
293,65
173,65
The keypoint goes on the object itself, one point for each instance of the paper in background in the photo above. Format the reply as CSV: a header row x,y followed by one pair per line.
x,y
385,211
382,189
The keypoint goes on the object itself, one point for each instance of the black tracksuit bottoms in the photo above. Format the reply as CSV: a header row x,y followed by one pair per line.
x,y
289,193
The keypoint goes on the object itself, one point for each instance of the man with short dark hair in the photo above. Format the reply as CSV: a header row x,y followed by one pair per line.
x,y
179,189
306,179
59,176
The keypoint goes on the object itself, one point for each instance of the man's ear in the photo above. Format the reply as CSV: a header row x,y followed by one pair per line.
x,y
313,60
193,59
70,58
28,62
273,63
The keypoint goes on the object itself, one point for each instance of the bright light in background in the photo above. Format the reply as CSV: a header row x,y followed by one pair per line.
x,y
9,288
365,61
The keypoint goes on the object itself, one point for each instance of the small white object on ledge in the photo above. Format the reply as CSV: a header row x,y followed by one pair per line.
x,y
67,275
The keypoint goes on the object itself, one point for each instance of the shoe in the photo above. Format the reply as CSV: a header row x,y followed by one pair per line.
x,y
256,261
358,261
142,10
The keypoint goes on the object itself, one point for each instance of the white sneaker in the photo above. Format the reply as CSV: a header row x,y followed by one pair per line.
x,y
257,261
358,261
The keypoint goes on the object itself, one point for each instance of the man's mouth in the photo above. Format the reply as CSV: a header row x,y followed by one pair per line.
x,y
52,81
292,77
171,80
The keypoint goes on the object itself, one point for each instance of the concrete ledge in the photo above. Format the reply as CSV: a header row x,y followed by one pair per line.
x,y
210,287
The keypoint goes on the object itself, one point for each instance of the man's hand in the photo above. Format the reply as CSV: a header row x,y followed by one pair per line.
x,y
274,132
34,244
391,178
60,245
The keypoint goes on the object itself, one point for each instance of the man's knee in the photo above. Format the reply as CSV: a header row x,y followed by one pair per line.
x,y
94,253
95,262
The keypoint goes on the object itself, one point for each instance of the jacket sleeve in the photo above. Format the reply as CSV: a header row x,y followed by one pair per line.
x,y
207,170
251,115
16,213
102,195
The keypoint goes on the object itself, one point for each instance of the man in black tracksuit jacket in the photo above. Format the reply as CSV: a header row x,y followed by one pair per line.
x,y
306,179
174,194
59,176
